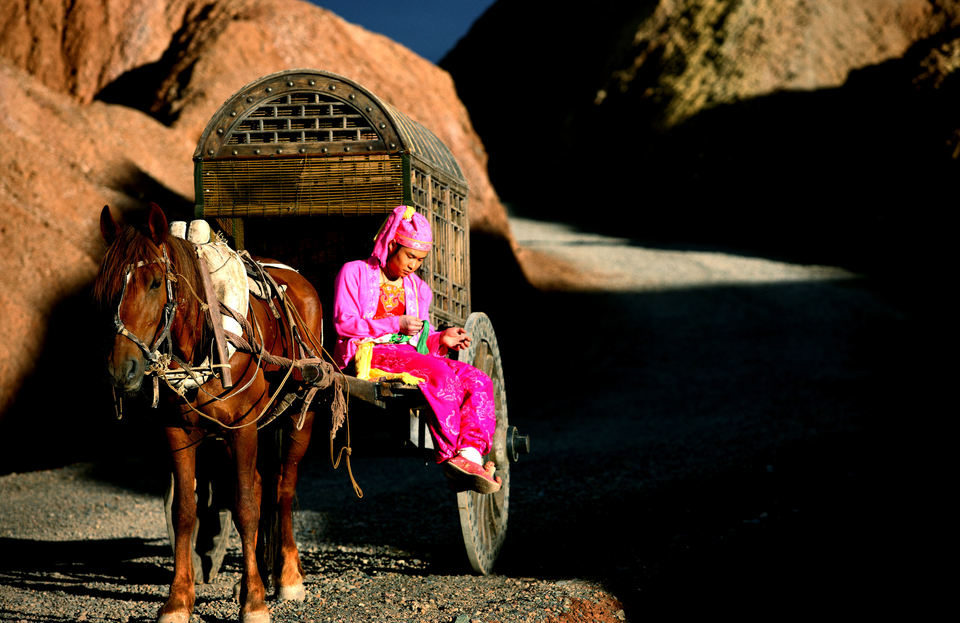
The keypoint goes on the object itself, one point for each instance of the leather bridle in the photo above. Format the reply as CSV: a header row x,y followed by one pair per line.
x,y
151,353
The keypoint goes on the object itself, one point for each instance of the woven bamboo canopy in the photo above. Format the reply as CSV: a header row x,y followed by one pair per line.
x,y
302,142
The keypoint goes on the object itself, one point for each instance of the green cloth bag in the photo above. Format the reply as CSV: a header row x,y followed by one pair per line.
x,y
397,338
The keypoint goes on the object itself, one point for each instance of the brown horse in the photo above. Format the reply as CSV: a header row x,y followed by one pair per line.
x,y
149,280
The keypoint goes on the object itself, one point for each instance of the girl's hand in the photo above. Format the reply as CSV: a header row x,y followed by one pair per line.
x,y
410,325
455,338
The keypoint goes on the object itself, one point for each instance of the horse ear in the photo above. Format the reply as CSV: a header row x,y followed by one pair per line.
x,y
108,227
158,223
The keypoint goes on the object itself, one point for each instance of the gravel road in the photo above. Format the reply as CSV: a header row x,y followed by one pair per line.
x,y
708,437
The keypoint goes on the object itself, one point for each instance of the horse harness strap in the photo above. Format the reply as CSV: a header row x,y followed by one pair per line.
x,y
272,290
213,316
152,353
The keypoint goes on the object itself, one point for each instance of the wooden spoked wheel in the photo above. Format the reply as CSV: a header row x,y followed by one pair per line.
x,y
483,518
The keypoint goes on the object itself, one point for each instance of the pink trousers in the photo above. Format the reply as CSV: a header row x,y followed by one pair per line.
x,y
460,395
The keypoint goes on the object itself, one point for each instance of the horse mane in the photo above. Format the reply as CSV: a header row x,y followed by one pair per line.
x,y
129,247
132,246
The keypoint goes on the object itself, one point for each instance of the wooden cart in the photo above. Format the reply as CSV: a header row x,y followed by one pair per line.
x,y
303,165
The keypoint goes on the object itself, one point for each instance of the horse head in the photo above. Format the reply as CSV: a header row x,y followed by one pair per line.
x,y
135,283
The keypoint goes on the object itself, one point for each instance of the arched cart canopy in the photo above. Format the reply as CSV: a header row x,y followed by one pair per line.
x,y
309,143
306,142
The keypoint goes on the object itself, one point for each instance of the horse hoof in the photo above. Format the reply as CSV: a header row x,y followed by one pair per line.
x,y
297,592
255,617
174,617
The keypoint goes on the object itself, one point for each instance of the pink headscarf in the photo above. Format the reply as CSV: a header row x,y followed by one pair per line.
x,y
407,227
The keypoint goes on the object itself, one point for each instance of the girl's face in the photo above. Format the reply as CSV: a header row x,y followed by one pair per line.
x,y
402,261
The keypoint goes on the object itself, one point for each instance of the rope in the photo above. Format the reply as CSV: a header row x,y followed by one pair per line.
x,y
163,375
347,449
117,403
251,330
203,305
162,369
339,407
262,355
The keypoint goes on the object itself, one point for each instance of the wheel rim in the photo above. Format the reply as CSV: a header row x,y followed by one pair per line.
x,y
483,518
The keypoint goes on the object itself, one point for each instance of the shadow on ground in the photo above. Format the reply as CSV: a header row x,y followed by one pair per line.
x,y
30,563
708,449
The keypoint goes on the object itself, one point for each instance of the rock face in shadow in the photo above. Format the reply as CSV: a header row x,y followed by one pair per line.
x,y
62,162
792,128
103,101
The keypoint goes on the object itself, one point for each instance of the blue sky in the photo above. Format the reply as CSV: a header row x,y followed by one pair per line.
x,y
428,27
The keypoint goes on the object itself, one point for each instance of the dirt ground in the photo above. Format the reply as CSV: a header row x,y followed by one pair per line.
x,y
712,434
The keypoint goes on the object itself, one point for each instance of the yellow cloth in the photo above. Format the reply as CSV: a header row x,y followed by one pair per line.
x,y
362,359
366,373
406,377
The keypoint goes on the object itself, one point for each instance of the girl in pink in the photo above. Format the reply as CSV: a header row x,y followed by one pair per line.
x,y
382,300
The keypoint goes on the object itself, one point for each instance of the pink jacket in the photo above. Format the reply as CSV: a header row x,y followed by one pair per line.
x,y
356,293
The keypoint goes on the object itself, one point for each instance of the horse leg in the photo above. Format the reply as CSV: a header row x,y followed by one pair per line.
x,y
291,571
253,607
179,603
